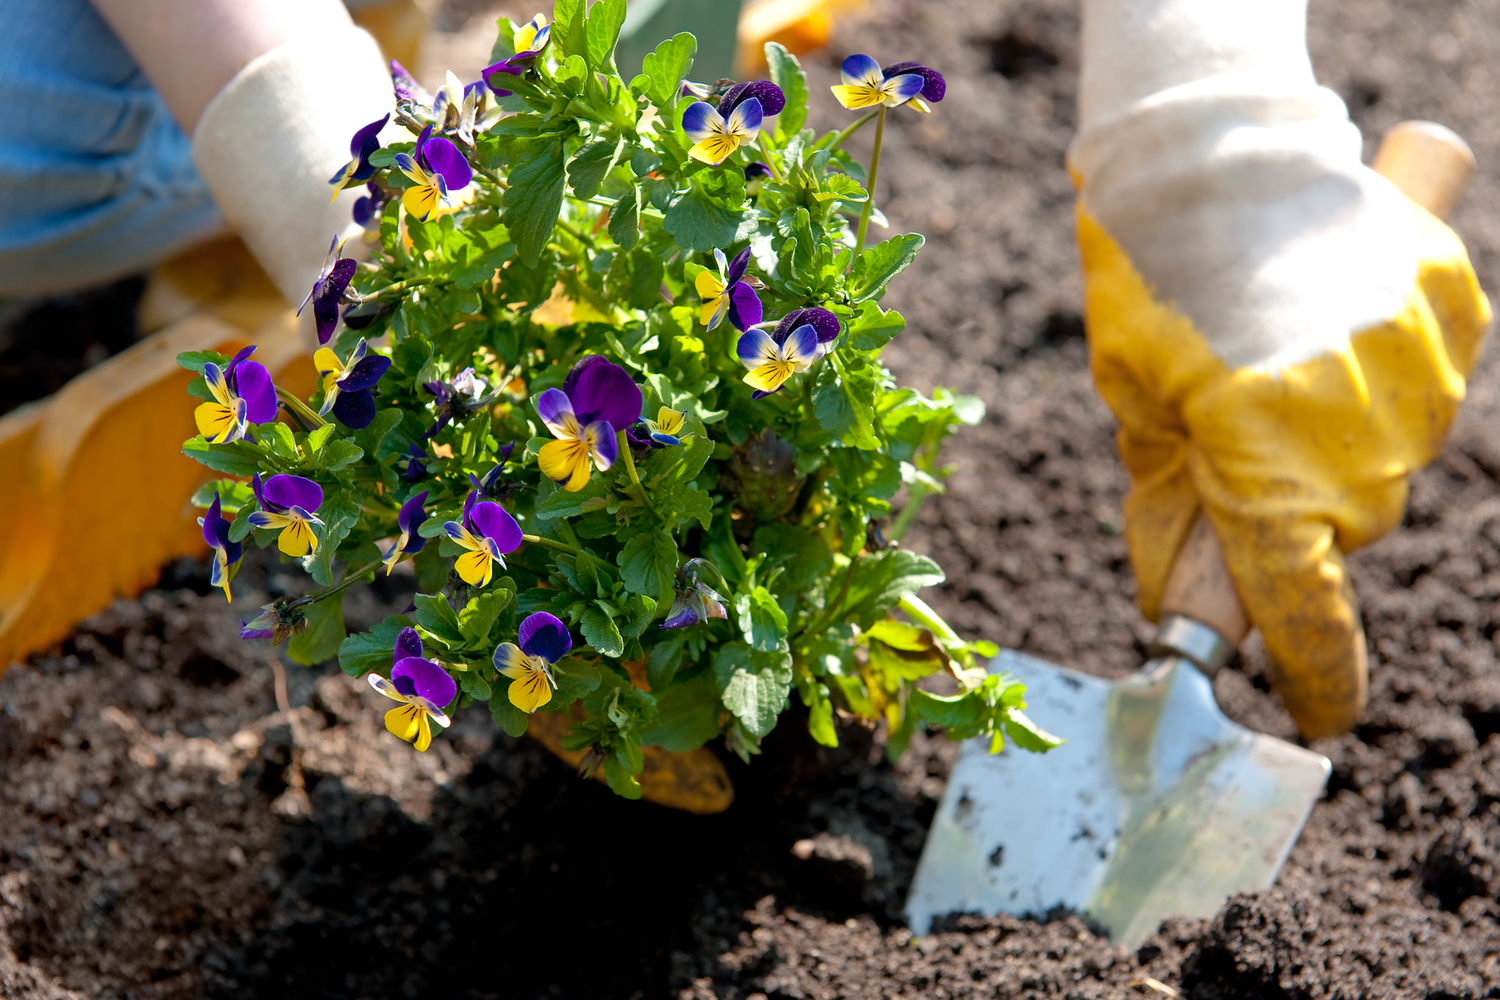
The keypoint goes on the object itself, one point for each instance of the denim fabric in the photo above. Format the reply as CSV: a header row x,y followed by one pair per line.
x,y
96,179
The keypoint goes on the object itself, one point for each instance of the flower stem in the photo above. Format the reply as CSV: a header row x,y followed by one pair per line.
x,y
835,606
864,214
303,412
578,234
860,123
551,543
396,288
349,578
623,446
765,151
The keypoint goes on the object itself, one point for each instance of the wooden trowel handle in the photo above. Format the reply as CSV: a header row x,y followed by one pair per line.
x,y
1431,165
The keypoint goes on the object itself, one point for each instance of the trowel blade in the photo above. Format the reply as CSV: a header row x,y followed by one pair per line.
x,y
1156,805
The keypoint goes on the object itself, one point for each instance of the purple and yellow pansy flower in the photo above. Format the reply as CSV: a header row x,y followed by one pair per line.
x,y
716,137
544,640
775,357
933,84
289,503
824,322
243,394
460,396
328,290
423,687
277,621
487,532
530,39
437,171
359,169
597,400
408,543
666,430
756,175
347,384
694,601
727,293
225,553
866,85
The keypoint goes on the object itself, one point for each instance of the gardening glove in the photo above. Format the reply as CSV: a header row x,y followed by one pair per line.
x,y
1283,336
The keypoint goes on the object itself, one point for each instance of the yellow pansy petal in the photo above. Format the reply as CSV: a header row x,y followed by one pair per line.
x,y
715,149
421,201
215,421
670,421
404,721
769,376
566,462
297,539
424,732
530,692
708,285
475,568
857,97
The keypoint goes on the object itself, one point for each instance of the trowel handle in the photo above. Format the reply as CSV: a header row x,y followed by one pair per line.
x,y
1431,165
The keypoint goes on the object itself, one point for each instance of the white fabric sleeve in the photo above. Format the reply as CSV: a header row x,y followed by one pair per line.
x,y
268,142
1209,153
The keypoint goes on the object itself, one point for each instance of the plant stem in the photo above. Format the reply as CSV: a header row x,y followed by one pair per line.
x,y
832,610
400,286
864,120
765,151
303,412
551,543
623,446
919,492
864,214
578,234
349,578
492,177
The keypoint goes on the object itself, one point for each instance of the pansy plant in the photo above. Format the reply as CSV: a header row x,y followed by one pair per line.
x,y
530,286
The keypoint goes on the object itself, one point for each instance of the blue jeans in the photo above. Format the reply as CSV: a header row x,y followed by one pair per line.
x,y
96,179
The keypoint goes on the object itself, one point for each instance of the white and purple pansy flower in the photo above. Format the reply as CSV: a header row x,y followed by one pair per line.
x,y
462,395
716,136
775,357
530,39
933,85
727,293
694,601
408,543
359,169
437,171
278,621
289,503
328,290
866,85
543,640
423,687
243,394
487,533
348,385
597,400
225,552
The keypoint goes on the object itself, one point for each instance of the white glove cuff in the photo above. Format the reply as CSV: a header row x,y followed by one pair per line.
x,y
268,142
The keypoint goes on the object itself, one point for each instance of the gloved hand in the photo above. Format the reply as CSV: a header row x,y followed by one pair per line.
x,y
1283,336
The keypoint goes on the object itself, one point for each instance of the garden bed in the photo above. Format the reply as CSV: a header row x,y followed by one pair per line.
x,y
167,831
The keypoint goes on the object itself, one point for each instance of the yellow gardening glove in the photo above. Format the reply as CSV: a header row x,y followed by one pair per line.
x,y
1283,336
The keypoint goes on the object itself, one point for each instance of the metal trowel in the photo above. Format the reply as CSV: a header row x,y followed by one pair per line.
x,y
1158,804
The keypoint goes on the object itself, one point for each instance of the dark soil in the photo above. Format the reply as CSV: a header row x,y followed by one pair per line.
x,y
167,832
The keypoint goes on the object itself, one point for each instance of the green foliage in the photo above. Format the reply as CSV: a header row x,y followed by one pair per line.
x,y
583,233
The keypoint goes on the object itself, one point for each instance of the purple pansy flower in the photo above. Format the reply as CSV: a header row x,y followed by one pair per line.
x,y
530,39
436,170
348,385
821,320
406,86
359,169
771,99
488,532
329,289
226,553
243,394
408,542
716,136
457,398
289,503
933,84
278,621
416,463
694,601
544,640
865,85
756,175
775,357
367,209
424,688
491,485
727,293
597,400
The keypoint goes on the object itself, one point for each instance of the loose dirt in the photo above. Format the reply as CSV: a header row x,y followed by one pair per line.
x,y
168,831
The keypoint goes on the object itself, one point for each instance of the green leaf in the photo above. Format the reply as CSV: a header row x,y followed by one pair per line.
x,y
600,632
436,616
819,713
699,222
535,196
880,581
1028,735
844,402
568,28
667,67
575,679
338,455
882,262
753,685
595,496
194,361
232,494
648,562
786,73
505,715
687,715
340,514
875,327
591,164
478,616
664,659
601,31
761,620
281,440
474,686
621,781
363,652
634,279
324,635
802,552
237,458
624,219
